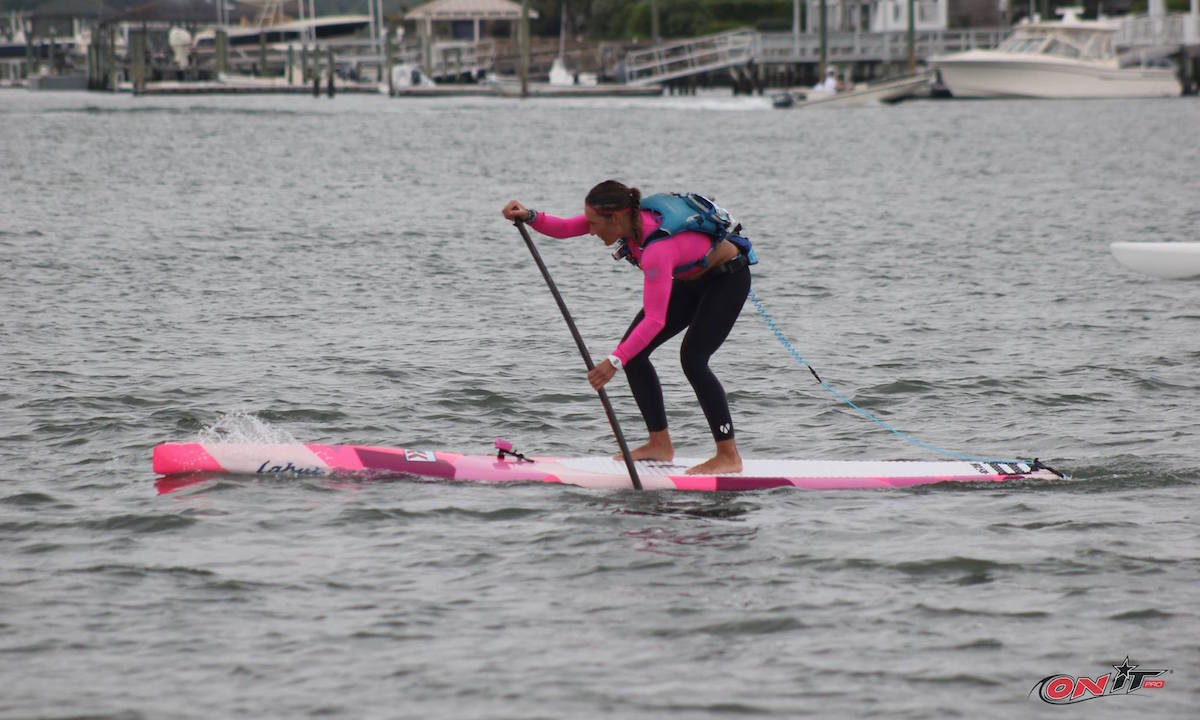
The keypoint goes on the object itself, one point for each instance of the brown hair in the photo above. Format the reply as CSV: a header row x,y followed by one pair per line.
x,y
611,197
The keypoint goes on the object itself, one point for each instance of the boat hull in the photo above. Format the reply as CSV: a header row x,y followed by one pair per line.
x,y
1169,260
173,459
989,74
883,92
886,91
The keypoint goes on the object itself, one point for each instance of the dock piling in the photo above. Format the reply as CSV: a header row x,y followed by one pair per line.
x,y
389,55
332,67
524,39
91,65
222,43
30,58
911,39
316,72
111,63
137,59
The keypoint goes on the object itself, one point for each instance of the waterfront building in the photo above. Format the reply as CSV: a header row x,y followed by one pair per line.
x,y
458,37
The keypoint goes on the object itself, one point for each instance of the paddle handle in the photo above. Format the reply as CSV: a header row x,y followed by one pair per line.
x,y
587,357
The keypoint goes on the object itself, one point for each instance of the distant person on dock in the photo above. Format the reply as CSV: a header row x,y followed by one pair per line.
x,y
696,276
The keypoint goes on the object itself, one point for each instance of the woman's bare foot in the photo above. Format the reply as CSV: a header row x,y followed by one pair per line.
x,y
726,462
659,448
717,466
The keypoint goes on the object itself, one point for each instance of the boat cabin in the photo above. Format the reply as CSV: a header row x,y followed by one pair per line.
x,y
1067,38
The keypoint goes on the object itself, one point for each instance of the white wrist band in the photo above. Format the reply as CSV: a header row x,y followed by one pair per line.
x,y
616,361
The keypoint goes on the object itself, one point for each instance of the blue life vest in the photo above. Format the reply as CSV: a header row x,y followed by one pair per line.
x,y
683,212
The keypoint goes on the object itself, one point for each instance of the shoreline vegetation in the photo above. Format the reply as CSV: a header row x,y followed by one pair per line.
x,y
591,19
610,20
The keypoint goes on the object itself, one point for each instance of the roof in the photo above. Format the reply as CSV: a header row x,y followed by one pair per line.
x,y
468,10
70,8
177,11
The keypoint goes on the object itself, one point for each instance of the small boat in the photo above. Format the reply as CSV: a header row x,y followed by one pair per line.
x,y
282,34
784,99
350,461
560,76
18,49
1170,260
882,91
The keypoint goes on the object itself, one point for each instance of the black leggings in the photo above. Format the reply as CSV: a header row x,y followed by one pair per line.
x,y
707,307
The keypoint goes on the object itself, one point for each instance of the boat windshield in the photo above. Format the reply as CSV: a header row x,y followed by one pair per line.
x,y
1022,44
1061,49
1073,43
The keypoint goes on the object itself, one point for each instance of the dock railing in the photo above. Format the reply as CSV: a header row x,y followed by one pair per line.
x,y
1171,29
785,47
674,60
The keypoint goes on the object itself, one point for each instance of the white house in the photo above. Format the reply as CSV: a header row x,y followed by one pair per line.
x,y
876,15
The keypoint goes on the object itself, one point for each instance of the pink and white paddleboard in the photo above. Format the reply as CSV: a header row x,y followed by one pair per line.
x,y
589,472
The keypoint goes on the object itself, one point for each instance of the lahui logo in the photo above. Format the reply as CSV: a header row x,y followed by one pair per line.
x,y
1068,689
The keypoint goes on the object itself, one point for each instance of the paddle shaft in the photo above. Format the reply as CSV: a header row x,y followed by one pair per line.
x,y
587,357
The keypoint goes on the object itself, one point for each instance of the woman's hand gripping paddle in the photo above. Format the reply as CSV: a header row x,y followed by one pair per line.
x,y
587,357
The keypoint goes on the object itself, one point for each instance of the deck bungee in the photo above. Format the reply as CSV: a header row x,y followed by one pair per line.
x,y
300,460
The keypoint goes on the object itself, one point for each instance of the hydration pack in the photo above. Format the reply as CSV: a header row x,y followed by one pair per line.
x,y
683,212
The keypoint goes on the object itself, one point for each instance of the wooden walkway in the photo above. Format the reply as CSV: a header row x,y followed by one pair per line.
x,y
684,58
737,48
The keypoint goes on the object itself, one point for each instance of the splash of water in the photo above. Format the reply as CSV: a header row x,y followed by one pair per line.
x,y
244,427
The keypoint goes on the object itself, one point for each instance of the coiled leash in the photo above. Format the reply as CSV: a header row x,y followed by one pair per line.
x,y
1035,464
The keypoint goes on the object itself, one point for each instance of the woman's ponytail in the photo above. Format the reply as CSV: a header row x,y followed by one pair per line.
x,y
635,202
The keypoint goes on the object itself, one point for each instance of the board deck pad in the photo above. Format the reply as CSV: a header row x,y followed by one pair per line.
x,y
313,460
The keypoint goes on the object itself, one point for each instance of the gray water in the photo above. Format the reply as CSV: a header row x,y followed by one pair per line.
x,y
338,271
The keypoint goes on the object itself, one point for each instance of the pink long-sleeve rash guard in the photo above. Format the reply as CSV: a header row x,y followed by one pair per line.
x,y
657,261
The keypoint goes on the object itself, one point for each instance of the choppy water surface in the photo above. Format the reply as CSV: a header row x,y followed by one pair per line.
x,y
337,271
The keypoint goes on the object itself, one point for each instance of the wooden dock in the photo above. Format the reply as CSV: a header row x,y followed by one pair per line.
x,y
546,90
203,87
254,86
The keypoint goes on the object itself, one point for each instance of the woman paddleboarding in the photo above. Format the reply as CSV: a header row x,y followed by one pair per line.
x,y
696,276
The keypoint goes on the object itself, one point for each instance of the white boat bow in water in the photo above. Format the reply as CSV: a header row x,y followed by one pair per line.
x,y
1170,260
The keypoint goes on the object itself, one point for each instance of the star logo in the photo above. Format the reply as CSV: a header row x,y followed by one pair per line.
x,y
1122,673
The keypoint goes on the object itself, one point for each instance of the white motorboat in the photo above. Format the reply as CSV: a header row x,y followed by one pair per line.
x,y
285,33
1068,58
1171,260
882,91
